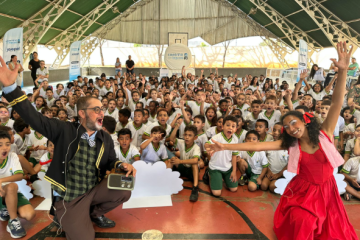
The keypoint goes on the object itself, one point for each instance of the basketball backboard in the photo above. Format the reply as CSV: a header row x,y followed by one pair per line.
x,y
181,38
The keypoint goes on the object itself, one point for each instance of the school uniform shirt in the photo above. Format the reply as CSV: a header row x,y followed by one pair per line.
x,y
45,161
268,138
152,119
349,147
151,154
57,94
256,160
119,126
43,93
244,109
200,141
222,160
10,166
136,134
187,153
102,91
14,148
211,132
351,167
34,140
114,114
318,96
71,111
207,124
147,131
277,160
132,104
128,156
43,72
195,107
188,81
252,120
350,127
9,123
114,137
272,119
50,102
228,85
241,136
20,143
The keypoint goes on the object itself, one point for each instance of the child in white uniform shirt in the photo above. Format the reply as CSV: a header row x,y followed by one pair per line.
x,y
162,116
42,72
112,111
278,161
253,164
5,118
22,130
11,172
352,178
222,165
152,149
37,145
126,152
137,128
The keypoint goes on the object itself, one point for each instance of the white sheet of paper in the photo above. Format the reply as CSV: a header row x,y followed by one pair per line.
x,y
42,187
24,189
154,180
151,201
44,205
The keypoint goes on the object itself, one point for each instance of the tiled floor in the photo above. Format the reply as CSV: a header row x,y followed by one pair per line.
x,y
240,215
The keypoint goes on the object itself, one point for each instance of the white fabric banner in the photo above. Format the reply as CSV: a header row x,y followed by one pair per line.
x,y
13,45
177,56
74,68
303,57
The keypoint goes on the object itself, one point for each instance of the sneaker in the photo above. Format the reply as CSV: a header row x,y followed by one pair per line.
x,y
206,177
194,194
4,215
15,229
243,180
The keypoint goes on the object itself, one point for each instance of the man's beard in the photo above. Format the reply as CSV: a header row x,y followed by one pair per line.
x,y
93,126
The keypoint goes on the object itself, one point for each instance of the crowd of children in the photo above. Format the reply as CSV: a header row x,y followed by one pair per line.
x,y
172,120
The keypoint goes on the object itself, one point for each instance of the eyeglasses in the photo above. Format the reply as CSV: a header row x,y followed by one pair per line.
x,y
97,110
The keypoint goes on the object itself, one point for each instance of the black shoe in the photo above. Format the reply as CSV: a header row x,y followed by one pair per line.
x,y
194,194
103,222
243,180
206,177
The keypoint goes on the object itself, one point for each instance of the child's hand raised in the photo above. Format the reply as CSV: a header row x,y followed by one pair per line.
x,y
179,121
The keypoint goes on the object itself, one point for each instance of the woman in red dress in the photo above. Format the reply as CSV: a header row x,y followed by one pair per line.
x,y
311,207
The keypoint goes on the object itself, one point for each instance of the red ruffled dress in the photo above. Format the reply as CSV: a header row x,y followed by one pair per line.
x,y
311,207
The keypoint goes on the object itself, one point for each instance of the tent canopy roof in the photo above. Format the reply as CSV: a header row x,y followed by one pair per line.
x,y
344,12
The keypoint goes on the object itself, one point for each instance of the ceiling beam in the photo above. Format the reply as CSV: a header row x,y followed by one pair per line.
x,y
292,32
69,10
332,26
37,25
73,33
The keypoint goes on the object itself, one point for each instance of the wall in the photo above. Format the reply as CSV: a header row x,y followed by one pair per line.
x,y
109,71
56,75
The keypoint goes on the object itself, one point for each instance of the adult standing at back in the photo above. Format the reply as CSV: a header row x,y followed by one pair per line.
x,y
118,67
34,64
130,65
12,64
353,67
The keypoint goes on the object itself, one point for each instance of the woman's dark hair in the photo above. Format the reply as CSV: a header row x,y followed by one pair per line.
x,y
313,130
12,56
252,81
313,71
352,119
263,88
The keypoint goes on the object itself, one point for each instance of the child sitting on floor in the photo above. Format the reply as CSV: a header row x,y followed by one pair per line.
x,y
12,203
253,164
278,163
262,127
46,159
152,149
